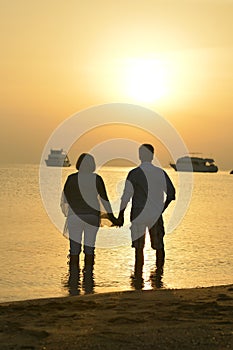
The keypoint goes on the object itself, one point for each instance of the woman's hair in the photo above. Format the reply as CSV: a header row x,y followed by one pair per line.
x,y
86,163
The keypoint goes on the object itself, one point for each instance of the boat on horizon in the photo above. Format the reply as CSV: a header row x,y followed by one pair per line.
x,y
58,158
195,164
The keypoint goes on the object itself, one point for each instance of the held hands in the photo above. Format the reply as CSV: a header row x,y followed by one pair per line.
x,y
118,222
113,220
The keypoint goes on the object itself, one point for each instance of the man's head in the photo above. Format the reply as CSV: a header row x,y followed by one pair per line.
x,y
146,152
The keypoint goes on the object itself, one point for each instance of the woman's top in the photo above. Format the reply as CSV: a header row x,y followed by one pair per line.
x,y
83,193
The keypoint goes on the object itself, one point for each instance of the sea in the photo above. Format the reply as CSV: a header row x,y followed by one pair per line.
x,y
34,262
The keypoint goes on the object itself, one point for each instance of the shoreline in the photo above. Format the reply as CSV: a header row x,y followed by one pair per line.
x,y
191,318
108,292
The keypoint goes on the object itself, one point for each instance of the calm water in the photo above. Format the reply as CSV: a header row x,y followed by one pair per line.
x,y
199,252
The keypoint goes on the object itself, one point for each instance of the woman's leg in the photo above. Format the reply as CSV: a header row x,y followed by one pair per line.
x,y
91,228
75,228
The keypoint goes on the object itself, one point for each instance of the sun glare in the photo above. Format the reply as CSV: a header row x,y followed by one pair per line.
x,y
145,80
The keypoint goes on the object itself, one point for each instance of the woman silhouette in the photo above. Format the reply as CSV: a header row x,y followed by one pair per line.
x,y
81,198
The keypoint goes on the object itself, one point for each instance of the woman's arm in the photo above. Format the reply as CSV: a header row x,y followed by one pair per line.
x,y
64,204
104,199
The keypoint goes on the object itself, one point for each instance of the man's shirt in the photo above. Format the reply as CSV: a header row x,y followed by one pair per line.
x,y
149,186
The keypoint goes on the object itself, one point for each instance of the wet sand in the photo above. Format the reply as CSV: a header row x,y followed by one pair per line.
x,y
200,318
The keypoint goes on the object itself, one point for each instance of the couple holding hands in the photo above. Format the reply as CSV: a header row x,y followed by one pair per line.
x,y
151,191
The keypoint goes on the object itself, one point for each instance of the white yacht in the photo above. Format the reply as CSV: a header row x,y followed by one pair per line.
x,y
195,164
57,157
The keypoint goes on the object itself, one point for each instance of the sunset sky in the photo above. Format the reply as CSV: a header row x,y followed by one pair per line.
x,y
59,57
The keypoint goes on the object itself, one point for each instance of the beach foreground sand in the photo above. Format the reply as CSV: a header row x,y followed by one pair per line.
x,y
199,318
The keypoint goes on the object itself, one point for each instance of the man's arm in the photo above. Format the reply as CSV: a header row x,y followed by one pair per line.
x,y
171,192
126,196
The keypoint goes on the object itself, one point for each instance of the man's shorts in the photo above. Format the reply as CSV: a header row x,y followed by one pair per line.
x,y
138,233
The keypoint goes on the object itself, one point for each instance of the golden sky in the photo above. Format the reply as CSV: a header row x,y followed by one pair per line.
x,y
59,57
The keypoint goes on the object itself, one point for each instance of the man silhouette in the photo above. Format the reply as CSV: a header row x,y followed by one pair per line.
x,y
151,191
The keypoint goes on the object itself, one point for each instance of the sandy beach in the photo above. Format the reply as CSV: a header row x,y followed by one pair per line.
x,y
200,318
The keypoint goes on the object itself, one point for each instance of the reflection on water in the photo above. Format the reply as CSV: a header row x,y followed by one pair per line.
x,y
156,278
88,282
72,281
137,278
78,279
81,281
137,282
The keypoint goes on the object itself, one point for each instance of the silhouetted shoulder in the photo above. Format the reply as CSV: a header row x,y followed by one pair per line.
x,y
72,176
159,171
136,176
134,172
71,179
164,172
99,179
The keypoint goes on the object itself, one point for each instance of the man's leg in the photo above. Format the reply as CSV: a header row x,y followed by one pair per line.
x,y
160,258
156,235
138,242
139,262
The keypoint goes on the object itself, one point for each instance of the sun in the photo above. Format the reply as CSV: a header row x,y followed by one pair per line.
x,y
145,80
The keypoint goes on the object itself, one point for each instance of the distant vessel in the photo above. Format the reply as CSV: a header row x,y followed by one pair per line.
x,y
58,157
195,164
